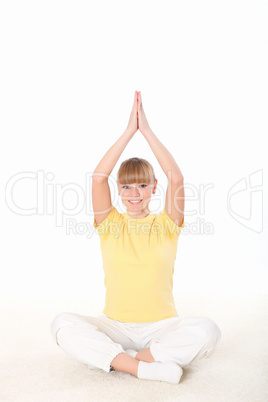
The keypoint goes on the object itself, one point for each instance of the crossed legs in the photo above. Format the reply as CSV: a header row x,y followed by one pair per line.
x,y
124,362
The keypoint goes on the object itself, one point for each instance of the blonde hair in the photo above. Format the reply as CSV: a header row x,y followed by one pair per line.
x,y
135,170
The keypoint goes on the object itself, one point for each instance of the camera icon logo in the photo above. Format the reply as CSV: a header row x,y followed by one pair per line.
x,y
245,201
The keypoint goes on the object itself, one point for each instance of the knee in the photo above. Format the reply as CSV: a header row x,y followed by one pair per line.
x,y
59,321
211,331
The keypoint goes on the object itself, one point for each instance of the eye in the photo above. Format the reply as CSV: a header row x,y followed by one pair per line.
x,y
141,185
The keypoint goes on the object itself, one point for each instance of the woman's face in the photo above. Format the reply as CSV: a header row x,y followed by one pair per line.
x,y
140,192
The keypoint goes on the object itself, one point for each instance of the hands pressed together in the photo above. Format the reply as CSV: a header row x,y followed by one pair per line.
x,y
137,120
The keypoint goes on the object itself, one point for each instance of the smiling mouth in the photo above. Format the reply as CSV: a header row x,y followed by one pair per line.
x,y
135,202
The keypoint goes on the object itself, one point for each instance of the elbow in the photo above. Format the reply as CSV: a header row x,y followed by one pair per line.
x,y
177,179
98,176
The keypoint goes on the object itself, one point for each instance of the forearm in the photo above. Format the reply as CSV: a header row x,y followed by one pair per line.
x,y
109,160
164,157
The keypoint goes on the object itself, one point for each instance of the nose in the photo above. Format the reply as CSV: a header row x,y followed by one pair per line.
x,y
136,192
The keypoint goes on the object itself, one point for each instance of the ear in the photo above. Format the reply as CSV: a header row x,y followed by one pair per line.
x,y
155,184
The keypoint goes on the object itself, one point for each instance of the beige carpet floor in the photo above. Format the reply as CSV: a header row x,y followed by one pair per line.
x,y
34,368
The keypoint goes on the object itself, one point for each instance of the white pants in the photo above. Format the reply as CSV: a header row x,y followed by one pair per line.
x,y
96,341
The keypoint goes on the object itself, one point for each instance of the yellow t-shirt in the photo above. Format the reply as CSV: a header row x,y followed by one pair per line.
x,y
138,262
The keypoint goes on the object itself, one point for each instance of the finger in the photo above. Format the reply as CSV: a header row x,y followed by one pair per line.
x,y
135,101
140,103
137,109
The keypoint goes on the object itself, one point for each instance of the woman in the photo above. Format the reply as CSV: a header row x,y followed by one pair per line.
x,y
139,331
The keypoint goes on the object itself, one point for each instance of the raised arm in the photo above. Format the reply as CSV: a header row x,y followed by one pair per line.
x,y
108,162
174,205
101,196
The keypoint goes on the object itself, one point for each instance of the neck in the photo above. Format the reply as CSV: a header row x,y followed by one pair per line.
x,y
138,214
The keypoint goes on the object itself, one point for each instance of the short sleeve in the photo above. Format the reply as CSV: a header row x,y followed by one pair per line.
x,y
109,223
169,225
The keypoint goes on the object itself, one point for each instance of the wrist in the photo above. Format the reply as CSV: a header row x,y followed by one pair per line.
x,y
129,131
147,131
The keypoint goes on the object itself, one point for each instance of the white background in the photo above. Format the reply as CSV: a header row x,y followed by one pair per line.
x,y
69,71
